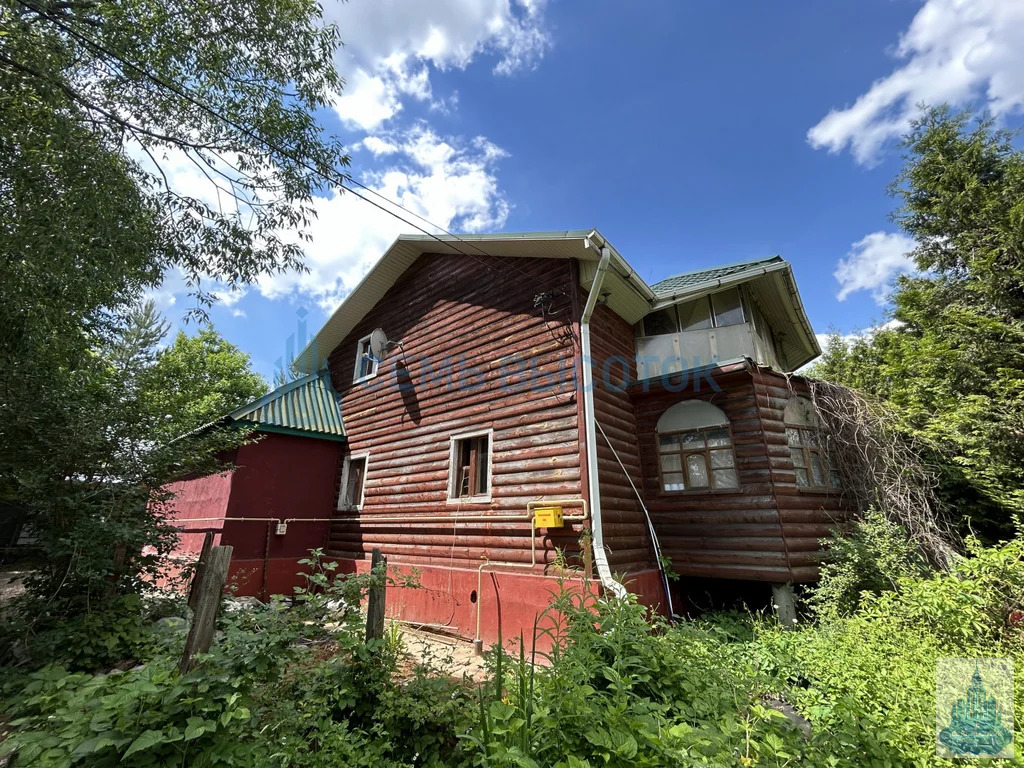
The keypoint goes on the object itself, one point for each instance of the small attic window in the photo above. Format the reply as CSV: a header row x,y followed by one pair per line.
x,y
366,365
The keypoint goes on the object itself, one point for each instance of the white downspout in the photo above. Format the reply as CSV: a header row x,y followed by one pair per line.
x,y
604,572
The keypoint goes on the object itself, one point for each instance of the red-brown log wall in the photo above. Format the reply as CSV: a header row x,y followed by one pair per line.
x,y
626,537
479,355
717,534
806,516
767,529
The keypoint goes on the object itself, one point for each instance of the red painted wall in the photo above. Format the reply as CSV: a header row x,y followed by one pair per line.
x,y
196,499
280,476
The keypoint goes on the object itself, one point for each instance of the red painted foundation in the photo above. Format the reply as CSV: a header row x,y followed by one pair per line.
x,y
648,588
447,600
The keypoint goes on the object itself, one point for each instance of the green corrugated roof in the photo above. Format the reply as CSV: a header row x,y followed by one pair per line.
x,y
309,405
686,280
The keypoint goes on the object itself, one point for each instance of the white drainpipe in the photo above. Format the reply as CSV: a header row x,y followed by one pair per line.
x,y
604,572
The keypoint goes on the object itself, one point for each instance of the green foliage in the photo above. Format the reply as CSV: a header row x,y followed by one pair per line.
x,y
952,365
291,684
127,75
87,641
870,556
196,380
96,514
92,124
299,686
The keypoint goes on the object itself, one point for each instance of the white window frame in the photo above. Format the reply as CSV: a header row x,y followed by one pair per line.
x,y
345,468
453,441
356,378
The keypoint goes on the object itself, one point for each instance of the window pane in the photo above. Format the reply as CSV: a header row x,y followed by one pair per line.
x,y
816,474
727,307
692,440
670,442
697,471
660,322
801,478
718,438
793,436
725,478
671,463
694,315
482,463
354,486
721,459
674,482
797,455
809,436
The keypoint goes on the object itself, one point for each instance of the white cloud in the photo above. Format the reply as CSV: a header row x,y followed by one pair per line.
x,y
378,146
391,49
954,51
390,46
449,183
872,263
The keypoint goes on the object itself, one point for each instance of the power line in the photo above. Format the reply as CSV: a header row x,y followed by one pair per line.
x,y
331,176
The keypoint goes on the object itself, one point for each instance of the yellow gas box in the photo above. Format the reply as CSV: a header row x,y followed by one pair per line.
x,y
548,517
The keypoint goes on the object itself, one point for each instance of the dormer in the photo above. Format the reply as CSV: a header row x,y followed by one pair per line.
x,y
750,309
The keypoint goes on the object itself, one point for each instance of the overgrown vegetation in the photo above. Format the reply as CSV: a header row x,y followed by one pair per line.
x,y
951,364
299,685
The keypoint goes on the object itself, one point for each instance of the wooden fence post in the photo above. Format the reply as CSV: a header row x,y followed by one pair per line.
x,y
209,592
375,602
197,577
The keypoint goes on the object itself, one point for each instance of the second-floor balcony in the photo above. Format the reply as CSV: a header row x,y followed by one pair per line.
x,y
714,328
685,350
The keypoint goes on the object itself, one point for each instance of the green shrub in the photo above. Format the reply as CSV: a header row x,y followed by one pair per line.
x,y
870,556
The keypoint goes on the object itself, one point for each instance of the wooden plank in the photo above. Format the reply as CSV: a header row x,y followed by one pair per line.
x,y
204,620
197,577
377,596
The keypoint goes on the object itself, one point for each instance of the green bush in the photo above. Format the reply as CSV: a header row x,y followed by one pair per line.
x,y
619,688
292,684
870,556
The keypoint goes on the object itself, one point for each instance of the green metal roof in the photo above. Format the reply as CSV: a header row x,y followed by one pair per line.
x,y
686,280
307,406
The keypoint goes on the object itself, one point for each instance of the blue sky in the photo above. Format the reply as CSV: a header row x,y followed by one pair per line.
x,y
689,133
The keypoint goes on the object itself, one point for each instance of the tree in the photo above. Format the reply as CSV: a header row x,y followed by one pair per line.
x,y
198,379
228,89
100,102
953,363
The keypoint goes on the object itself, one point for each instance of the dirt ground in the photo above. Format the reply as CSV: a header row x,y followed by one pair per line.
x,y
10,584
449,655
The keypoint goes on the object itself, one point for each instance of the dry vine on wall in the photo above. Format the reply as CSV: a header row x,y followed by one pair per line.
x,y
880,468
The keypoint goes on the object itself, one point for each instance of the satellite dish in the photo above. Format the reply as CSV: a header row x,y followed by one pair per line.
x,y
379,344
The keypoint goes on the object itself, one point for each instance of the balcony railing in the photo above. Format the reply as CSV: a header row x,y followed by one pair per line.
x,y
686,350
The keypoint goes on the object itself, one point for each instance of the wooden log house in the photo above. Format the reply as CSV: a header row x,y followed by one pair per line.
x,y
489,383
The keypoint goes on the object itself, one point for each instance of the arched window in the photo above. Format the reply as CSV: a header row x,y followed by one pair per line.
x,y
803,433
695,448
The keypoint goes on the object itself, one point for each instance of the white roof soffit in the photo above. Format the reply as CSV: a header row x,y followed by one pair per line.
x,y
579,244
